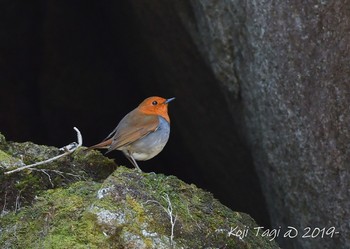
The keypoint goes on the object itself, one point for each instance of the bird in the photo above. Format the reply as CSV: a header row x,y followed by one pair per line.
x,y
142,133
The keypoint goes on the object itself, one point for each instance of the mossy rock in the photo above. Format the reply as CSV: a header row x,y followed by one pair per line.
x,y
20,188
56,220
128,210
69,203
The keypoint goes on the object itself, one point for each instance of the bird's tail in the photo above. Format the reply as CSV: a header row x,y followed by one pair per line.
x,y
103,145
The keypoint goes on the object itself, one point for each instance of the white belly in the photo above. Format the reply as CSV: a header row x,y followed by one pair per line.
x,y
150,145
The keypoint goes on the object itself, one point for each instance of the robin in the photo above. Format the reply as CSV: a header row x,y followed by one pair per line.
x,y
142,133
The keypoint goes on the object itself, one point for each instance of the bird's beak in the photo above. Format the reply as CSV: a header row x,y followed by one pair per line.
x,y
168,100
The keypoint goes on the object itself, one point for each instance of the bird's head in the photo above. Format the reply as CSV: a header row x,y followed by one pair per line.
x,y
156,106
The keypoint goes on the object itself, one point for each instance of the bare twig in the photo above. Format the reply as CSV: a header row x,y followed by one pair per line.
x,y
169,211
70,148
48,175
5,203
62,174
18,201
173,218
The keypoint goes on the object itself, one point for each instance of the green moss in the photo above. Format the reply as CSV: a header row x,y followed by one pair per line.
x,y
94,163
129,210
75,232
4,156
142,199
24,185
137,209
2,142
7,161
57,220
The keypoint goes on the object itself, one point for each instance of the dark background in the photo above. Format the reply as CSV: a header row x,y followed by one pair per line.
x,y
255,81
87,64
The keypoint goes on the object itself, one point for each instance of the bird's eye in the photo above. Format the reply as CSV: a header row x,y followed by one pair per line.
x,y
154,103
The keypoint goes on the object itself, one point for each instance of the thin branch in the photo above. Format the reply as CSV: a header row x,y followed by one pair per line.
x,y
18,201
173,218
169,211
62,174
4,207
48,175
70,148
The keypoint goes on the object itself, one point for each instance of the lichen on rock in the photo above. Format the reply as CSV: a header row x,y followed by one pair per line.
x,y
19,189
126,209
133,207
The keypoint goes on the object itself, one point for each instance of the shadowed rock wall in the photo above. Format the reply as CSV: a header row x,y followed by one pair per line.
x,y
261,84
210,131
289,63
294,72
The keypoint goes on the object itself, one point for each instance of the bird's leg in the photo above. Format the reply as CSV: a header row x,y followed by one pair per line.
x,y
133,161
135,164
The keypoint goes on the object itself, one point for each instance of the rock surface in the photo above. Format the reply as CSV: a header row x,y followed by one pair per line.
x,y
283,69
20,189
128,210
259,84
104,58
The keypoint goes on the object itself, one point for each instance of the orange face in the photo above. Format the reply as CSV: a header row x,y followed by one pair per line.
x,y
156,106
